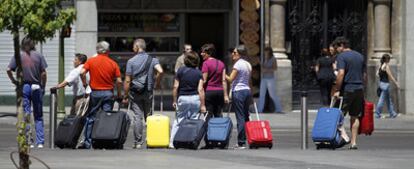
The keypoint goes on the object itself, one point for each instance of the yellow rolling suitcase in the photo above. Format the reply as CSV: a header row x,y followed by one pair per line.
x,y
158,130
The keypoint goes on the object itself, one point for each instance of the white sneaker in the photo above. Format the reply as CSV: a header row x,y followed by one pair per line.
x,y
32,146
238,147
40,146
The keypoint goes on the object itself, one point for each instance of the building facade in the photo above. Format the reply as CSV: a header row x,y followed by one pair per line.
x,y
296,30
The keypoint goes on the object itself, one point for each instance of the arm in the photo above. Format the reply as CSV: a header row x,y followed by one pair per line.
x,y
11,77
178,63
202,96
43,76
232,76
274,67
388,70
317,68
61,85
339,80
127,83
83,77
119,87
224,82
334,66
175,92
205,75
158,76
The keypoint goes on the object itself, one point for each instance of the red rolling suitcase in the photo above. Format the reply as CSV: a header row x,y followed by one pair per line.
x,y
367,120
258,133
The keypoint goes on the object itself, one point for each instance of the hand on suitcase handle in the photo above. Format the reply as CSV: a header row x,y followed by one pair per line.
x,y
203,109
333,101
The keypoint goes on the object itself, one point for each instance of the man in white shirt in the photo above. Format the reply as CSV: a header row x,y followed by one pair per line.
x,y
74,79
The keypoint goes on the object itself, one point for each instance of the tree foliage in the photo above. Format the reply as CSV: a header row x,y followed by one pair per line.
x,y
38,20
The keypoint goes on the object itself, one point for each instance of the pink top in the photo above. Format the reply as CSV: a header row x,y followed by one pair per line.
x,y
214,76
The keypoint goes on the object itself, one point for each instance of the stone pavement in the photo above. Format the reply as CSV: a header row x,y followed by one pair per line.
x,y
289,120
389,147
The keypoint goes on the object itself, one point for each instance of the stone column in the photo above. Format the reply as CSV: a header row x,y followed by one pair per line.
x,y
407,60
277,42
277,28
86,27
382,15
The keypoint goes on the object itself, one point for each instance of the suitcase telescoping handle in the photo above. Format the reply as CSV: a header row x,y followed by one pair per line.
x,y
228,111
333,101
161,100
255,109
83,107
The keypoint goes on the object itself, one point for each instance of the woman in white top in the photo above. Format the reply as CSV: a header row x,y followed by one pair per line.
x,y
241,95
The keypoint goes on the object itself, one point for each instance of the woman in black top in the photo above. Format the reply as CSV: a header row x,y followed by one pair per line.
x,y
188,92
324,69
385,75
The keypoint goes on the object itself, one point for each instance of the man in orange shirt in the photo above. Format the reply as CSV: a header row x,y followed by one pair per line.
x,y
103,71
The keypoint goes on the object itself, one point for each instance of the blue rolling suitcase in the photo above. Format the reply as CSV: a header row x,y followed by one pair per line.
x,y
219,131
325,131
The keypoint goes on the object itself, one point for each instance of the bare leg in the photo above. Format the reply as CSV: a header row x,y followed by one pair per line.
x,y
343,133
354,129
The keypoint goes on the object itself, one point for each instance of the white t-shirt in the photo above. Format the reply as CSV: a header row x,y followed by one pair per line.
x,y
244,70
74,80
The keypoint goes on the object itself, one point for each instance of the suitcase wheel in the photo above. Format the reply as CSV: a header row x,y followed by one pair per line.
x,y
253,147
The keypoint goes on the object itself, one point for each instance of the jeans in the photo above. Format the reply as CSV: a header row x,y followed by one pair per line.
x,y
385,97
99,99
187,108
241,101
141,106
268,85
34,96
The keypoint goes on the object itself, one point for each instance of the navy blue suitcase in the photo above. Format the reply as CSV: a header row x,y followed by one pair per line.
x,y
219,131
325,131
190,133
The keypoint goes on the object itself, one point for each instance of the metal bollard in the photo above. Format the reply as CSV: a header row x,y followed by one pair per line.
x,y
52,117
304,120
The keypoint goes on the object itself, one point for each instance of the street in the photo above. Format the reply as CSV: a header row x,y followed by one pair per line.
x,y
390,146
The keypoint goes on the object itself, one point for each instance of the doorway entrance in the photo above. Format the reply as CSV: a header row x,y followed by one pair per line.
x,y
206,28
311,26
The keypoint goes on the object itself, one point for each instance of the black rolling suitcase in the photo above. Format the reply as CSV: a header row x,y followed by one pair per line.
x,y
110,129
70,128
190,133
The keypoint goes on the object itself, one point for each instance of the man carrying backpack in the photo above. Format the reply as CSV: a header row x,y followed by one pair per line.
x,y
139,84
